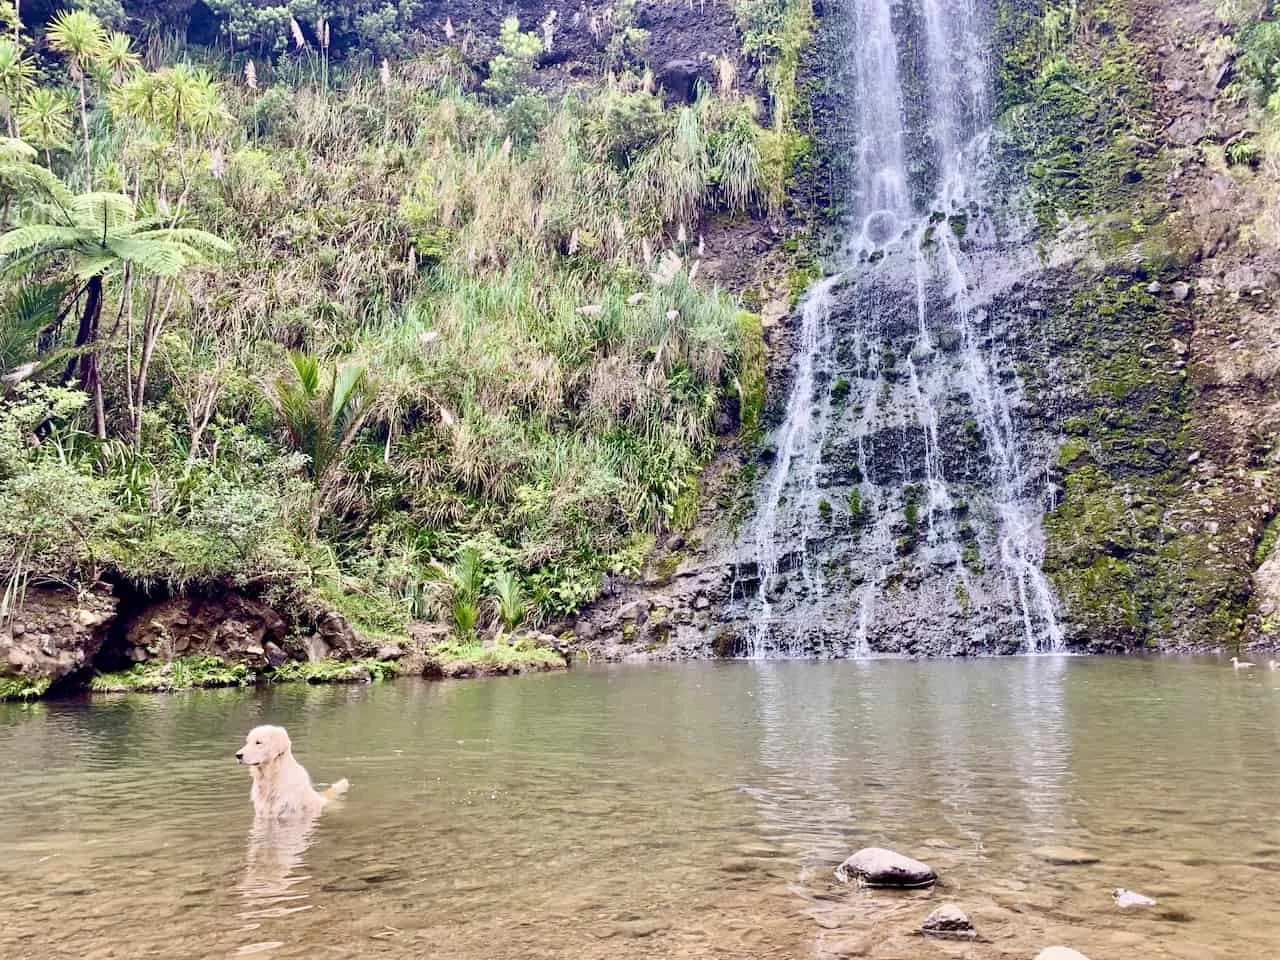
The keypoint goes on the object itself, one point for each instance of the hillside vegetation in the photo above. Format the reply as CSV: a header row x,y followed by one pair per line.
x,y
400,336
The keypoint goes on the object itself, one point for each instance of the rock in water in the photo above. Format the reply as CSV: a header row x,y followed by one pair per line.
x,y
1060,953
1129,898
948,921
877,867
1064,856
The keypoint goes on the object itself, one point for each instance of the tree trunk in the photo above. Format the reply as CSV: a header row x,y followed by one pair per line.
x,y
151,329
86,359
84,128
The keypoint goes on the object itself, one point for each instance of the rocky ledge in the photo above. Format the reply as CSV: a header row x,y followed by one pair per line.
x,y
59,639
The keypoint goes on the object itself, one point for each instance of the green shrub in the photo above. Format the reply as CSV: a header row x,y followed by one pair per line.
x,y
1259,59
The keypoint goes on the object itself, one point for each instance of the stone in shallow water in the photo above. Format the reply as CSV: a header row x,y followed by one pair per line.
x,y
948,921
853,947
877,867
1064,856
1130,898
1060,953
636,929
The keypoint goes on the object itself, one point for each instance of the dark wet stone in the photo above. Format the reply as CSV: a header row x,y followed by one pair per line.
x,y
948,921
877,867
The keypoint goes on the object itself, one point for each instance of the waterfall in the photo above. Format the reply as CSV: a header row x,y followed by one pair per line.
x,y
902,507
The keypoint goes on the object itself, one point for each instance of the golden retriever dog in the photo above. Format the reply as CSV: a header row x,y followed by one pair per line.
x,y
281,785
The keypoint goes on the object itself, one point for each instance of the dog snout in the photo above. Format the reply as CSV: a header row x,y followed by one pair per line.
x,y
240,755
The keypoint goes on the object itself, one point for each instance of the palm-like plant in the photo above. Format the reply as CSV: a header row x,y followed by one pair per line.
x,y
117,56
21,178
45,116
509,599
462,582
204,111
16,76
27,315
322,413
191,100
138,97
101,236
78,35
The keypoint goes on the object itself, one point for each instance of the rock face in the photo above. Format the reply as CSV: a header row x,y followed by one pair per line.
x,y
676,612
340,638
54,633
877,867
236,628
948,921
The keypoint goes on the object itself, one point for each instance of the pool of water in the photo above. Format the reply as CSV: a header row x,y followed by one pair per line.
x,y
675,811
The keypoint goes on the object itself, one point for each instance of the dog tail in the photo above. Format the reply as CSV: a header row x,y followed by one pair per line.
x,y
337,790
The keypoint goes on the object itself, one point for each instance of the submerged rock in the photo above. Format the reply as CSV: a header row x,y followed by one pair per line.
x,y
877,867
1064,856
1060,953
1130,898
948,921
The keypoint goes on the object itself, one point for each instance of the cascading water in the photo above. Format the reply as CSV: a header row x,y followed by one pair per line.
x,y
902,507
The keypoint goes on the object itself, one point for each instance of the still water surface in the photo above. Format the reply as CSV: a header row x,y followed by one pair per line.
x,y
678,811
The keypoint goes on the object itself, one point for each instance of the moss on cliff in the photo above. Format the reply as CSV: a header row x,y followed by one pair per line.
x,y
1130,568
1076,110
1127,546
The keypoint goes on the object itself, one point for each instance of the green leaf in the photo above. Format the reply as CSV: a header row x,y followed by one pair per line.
x,y
26,239
101,209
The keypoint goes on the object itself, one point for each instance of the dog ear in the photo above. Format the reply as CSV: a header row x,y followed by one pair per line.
x,y
280,742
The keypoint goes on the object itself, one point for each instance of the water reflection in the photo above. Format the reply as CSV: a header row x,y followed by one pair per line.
x,y
272,885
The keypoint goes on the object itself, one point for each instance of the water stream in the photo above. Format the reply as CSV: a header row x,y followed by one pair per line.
x,y
903,503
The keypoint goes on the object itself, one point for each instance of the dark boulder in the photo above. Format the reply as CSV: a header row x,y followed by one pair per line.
x,y
877,867
948,922
678,79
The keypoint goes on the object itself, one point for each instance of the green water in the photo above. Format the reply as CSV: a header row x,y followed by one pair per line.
x,y
680,811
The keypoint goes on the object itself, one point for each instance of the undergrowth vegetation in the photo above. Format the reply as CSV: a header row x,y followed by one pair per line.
x,y
392,333
190,672
1255,81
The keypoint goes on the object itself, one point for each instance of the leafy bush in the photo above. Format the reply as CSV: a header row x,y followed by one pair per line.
x,y
622,125
509,69
1259,60
55,515
380,28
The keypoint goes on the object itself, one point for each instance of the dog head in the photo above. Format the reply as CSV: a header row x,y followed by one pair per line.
x,y
262,745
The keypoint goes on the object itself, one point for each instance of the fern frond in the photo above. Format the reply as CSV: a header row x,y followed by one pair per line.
x,y
35,236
